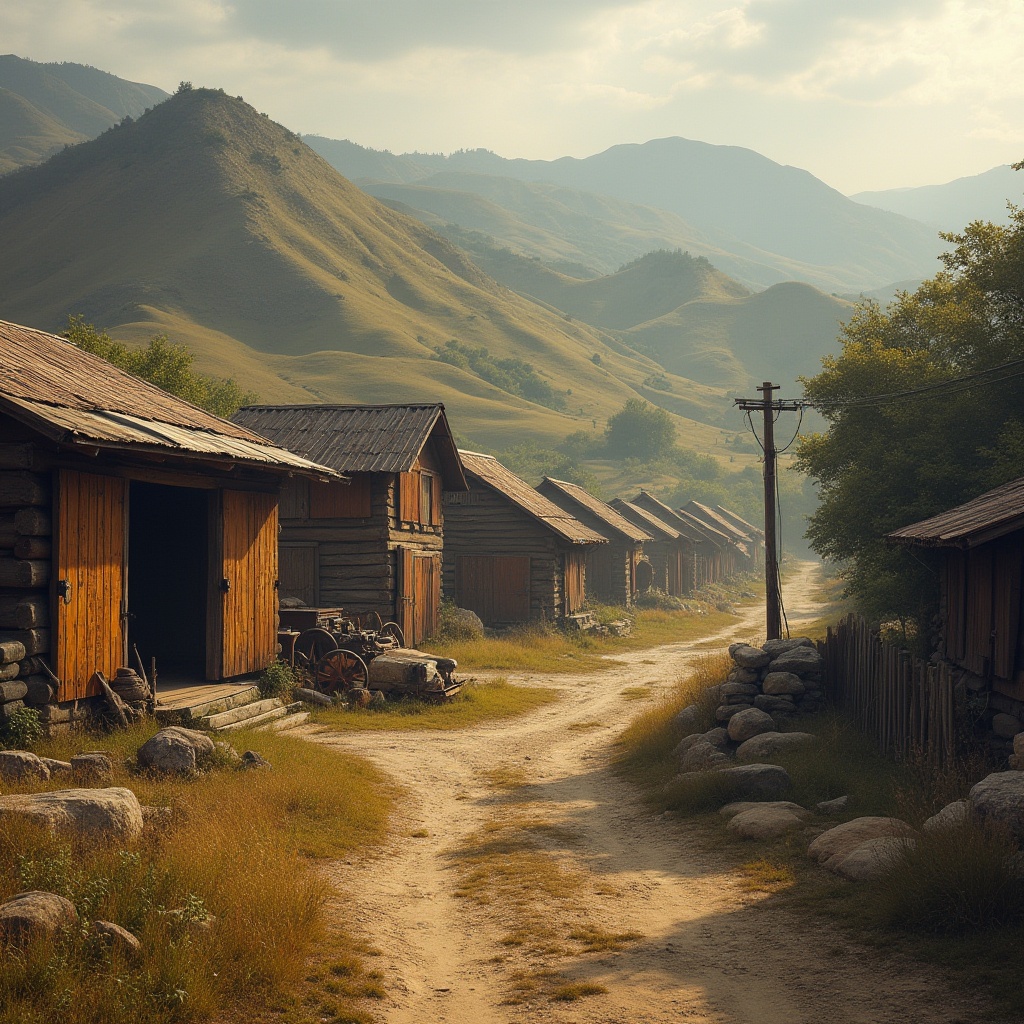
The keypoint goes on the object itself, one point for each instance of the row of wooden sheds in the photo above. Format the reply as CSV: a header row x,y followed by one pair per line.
x,y
131,520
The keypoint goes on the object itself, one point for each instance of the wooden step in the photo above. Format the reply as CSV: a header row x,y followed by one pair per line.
x,y
189,714
290,721
240,713
251,723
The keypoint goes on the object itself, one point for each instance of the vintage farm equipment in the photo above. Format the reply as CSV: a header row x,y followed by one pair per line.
x,y
338,652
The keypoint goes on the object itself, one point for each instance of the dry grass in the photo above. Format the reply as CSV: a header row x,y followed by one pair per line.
x,y
576,990
493,700
635,693
766,875
227,901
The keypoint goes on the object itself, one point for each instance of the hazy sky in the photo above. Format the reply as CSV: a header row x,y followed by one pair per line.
x,y
863,93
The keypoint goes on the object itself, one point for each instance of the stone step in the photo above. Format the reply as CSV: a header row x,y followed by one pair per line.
x,y
290,721
251,723
239,713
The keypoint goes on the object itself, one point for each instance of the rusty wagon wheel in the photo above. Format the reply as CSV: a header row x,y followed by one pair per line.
x,y
311,645
339,671
393,630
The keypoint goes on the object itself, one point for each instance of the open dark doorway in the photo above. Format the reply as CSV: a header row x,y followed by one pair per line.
x,y
167,577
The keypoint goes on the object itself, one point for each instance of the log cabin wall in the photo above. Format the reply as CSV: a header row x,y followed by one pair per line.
x,y
486,537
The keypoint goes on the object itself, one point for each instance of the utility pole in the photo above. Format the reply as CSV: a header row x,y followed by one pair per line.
x,y
771,559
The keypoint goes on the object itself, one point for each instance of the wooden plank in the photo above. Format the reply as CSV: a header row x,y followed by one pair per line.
x,y
405,600
33,522
16,456
299,569
33,547
19,488
20,572
409,497
294,501
339,500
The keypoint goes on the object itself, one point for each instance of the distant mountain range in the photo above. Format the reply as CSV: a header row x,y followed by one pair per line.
x,y
44,107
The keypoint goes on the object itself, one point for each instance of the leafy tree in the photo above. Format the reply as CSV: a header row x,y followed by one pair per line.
x,y
640,430
516,376
165,364
886,463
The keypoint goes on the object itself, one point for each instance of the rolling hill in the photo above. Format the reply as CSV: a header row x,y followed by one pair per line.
x,y
206,220
44,107
726,198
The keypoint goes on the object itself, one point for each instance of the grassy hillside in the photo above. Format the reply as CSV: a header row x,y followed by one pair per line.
x,y
46,106
208,221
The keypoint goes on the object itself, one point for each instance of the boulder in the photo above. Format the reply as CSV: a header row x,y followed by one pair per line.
x,y
871,858
768,745
778,684
834,806
725,712
227,753
91,766
776,647
765,822
999,798
775,705
1005,726
117,938
952,815
743,675
31,915
469,625
758,781
1018,744
833,845
718,738
749,657
251,759
22,766
377,699
688,720
702,755
112,812
739,806
738,689
175,750
56,767
712,695
687,742
802,661
748,724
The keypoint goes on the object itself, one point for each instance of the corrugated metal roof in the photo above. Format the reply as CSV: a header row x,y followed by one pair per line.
x,y
580,496
359,438
716,522
742,524
987,517
645,520
489,470
78,398
686,527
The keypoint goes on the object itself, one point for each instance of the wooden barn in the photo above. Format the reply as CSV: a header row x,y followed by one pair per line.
x,y
613,568
980,545
706,552
371,544
755,533
669,552
741,543
127,518
510,555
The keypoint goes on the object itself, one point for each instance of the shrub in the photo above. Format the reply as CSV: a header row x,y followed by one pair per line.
x,y
21,730
659,600
276,680
453,625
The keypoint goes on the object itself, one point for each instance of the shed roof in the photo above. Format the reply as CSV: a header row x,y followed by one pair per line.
x,y
706,531
711,518
77,398
989,516
360,438
577,496
686,526
742,524
492,473
645,520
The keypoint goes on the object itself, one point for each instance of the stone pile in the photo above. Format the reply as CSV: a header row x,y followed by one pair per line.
x,y
781,678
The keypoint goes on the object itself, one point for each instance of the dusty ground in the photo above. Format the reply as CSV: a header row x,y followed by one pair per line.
x,y
707,951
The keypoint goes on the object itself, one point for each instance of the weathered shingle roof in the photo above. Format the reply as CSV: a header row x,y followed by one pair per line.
x,y
711,518
645,520
706,531
492,473
570,496
987,517
748,528
360,438
686,526
77,398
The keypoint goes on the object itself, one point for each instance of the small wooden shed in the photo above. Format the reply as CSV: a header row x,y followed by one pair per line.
x,y
741,543
755,533
704,551
669,552
128,517
510,555
611,568
980,545
373,543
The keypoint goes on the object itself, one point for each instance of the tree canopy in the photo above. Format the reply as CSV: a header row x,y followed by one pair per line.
x,y
925,412
640,430
164,363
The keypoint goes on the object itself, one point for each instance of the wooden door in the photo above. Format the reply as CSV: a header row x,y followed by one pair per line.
x,y
247,585
89,592
575,583
419,594
496,587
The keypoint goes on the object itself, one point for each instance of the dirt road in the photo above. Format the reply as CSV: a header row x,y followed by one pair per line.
x,y
704,951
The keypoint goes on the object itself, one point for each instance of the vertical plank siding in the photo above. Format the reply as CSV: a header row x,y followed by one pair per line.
x,y
249,559
91,531
904,703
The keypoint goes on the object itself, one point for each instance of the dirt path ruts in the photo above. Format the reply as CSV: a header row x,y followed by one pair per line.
x,y
709,952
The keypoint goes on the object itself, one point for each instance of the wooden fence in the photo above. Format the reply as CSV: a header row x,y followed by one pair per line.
x,y
904,703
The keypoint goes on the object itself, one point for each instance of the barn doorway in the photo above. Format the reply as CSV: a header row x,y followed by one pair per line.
x,y
168,544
